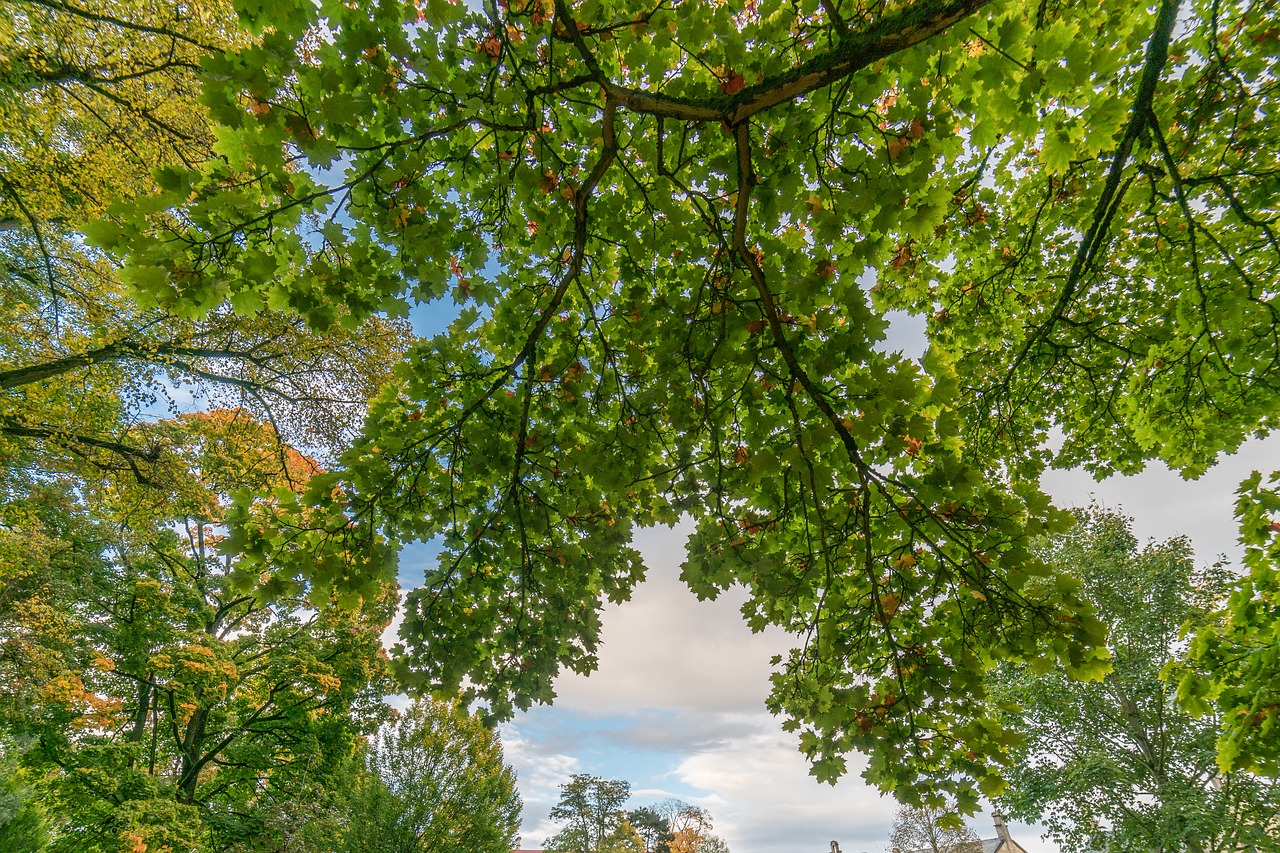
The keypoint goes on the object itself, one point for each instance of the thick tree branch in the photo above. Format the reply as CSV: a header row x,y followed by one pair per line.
x,y
853,53
12,426
100,18
1108,204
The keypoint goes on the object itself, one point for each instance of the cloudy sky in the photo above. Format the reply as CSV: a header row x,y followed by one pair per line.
x,y
677,706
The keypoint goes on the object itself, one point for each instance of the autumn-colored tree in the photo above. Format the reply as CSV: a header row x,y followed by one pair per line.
x,y
94,105
177,708
689,828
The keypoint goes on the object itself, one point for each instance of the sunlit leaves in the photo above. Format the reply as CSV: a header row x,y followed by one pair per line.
x,y
673,234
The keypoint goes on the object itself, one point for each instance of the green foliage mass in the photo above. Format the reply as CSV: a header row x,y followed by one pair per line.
x,y
157,705
1234,661
1117,764
673,232
435,780
92,105
595,820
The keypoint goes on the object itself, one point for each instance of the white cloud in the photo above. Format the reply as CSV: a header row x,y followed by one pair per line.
x,y
539,774
666,649
1163,504
676,707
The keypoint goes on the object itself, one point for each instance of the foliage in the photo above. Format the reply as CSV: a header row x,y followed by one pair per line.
x,y
171,708
928,830
689,828
595,822
436,781
1117,764
652,828
23,824
712,844
699,215
1234,660
93,104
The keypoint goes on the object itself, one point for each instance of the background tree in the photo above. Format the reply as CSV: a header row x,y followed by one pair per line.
x,y
591,809
174,707
23,824
689,828
1117,764
597,823
435,780
170,706
94,105
1232,672
928,830
652,828
684,207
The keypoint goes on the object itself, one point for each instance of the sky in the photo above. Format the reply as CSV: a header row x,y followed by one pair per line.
x,y
677,705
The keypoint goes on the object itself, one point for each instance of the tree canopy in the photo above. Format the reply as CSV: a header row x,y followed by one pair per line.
x,y
591,809
674,234
436,781
1117,764
157,704
91,103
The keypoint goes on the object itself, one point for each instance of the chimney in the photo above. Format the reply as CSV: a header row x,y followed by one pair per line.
x,y
1001,830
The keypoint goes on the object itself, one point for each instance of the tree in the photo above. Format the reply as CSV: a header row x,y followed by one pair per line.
x,y
436,780
700,217
1117,764
595,822
23,825
926,830
712,844
94,105
169,705
688,828
652,828
1232,670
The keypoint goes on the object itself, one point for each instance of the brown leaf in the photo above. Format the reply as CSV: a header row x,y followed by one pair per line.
x,y
733,84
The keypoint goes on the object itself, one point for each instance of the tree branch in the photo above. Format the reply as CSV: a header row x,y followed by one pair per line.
x,y
1112,191
97,17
